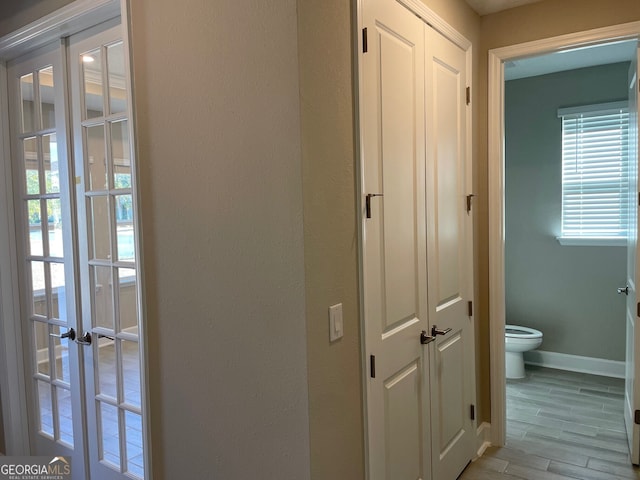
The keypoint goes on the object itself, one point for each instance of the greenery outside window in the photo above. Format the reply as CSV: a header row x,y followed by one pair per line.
x,y
595,174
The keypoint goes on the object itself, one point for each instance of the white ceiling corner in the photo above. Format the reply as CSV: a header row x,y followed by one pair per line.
x,y
485,7
581,57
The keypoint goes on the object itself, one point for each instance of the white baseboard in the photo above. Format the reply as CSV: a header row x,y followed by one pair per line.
x,y
483,436
575,363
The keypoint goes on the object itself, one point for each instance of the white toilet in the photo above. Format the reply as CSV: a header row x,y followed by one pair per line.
x,y
518,340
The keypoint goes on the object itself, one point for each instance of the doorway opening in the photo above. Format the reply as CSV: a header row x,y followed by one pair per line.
x,y
501,61
566,202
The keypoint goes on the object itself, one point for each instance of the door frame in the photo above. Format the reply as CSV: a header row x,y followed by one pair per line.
x,y
497,307
73,18
439,24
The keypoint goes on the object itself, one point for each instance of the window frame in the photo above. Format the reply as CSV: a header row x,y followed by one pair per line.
x,y
590,240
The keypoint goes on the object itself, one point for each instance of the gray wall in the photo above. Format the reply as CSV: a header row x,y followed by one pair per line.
x,y
567,292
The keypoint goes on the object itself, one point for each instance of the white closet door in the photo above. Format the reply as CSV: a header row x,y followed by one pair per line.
x,y
417,249
449,258
394,243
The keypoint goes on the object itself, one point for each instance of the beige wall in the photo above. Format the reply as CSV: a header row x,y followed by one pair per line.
x,y
550,18
330,235
218,130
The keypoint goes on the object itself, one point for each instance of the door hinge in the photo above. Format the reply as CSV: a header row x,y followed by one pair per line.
x,y
470,306
367,203
372,365
469,197
638,309
365,42
473,412
636,418
468,95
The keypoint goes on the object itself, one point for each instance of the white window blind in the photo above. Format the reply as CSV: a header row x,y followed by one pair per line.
x,y
595,172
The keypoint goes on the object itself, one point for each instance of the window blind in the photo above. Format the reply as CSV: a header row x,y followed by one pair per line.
x,y
595,171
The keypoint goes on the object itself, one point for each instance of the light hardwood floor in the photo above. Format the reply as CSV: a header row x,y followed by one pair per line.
x,y
560,425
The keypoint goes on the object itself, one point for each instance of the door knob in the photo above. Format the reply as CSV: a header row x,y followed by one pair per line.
x,y
435,331
624,290
84,339
425,338
70,334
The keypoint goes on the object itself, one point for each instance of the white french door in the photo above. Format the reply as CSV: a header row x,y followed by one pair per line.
x,y
79,278
44,222
105,206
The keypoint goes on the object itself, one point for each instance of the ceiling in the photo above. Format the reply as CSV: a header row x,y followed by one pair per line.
x,y
613,52
604,54
484,7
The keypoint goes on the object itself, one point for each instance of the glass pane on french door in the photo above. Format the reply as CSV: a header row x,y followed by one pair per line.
x,y
45,254
105,194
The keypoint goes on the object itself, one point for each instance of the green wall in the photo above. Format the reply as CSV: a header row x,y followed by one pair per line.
x,y
566,292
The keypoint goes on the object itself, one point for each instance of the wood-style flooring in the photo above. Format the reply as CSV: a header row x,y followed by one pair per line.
x,y
560,426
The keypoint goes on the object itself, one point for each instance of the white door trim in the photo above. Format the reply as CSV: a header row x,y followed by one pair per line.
x,y
65,21
14,400
497,57
437,23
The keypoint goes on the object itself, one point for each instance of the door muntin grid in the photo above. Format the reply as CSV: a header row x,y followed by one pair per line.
x,y
45,253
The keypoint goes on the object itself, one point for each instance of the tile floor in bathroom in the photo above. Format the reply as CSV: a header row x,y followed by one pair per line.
x,y
560,425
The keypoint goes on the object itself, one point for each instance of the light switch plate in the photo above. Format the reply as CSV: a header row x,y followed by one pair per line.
x,y
336,329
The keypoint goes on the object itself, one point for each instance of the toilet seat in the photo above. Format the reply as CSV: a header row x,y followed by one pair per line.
x,y
517,341
516,331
